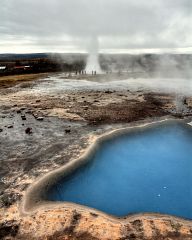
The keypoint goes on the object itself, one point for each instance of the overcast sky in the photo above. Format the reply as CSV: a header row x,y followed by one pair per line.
x,y
119,25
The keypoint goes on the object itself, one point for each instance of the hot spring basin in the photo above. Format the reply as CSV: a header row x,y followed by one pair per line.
x,y
146,170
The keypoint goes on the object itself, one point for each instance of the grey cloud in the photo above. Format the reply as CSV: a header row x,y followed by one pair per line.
x,y
117,23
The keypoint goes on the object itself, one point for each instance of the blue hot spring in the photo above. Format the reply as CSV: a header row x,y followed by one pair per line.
x,y
146,170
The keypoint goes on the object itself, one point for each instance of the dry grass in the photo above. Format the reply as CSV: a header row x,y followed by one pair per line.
x,y
7,81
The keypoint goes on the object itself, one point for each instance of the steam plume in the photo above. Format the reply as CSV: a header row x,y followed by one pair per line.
x,y
93,58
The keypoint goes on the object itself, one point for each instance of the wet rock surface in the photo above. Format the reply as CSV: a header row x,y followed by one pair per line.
x,y
42,132
8,229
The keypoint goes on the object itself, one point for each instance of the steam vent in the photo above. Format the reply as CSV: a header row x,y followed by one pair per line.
x,y
95,120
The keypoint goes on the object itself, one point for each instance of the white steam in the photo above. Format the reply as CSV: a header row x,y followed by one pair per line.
x,y
93,65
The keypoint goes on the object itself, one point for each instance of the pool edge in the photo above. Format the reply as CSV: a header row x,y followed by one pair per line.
x,y
33,198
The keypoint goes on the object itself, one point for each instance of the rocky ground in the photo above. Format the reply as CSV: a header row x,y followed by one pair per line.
x,y
40,132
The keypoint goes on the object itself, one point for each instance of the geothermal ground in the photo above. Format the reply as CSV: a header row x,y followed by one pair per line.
x,y
48,120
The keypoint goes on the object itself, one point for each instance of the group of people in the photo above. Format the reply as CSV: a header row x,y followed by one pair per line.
x,y
83,72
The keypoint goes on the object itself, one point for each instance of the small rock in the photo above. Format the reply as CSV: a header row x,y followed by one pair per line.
x,y
38,101
108,91
23,108
10,126
23,117
28,112
39,118
94,214
28,130
18,111
67,130
1,130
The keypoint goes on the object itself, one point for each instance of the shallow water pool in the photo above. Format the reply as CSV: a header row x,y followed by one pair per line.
x,y
146,170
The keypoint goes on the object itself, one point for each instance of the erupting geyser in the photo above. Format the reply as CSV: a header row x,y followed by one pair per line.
x,y
93,58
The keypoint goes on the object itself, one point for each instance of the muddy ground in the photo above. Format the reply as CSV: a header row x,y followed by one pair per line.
x,y
43,130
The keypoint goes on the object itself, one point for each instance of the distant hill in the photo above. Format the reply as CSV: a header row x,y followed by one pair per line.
x,y
14,57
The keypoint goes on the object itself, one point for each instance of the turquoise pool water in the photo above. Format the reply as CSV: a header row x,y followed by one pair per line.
x,y
148,170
